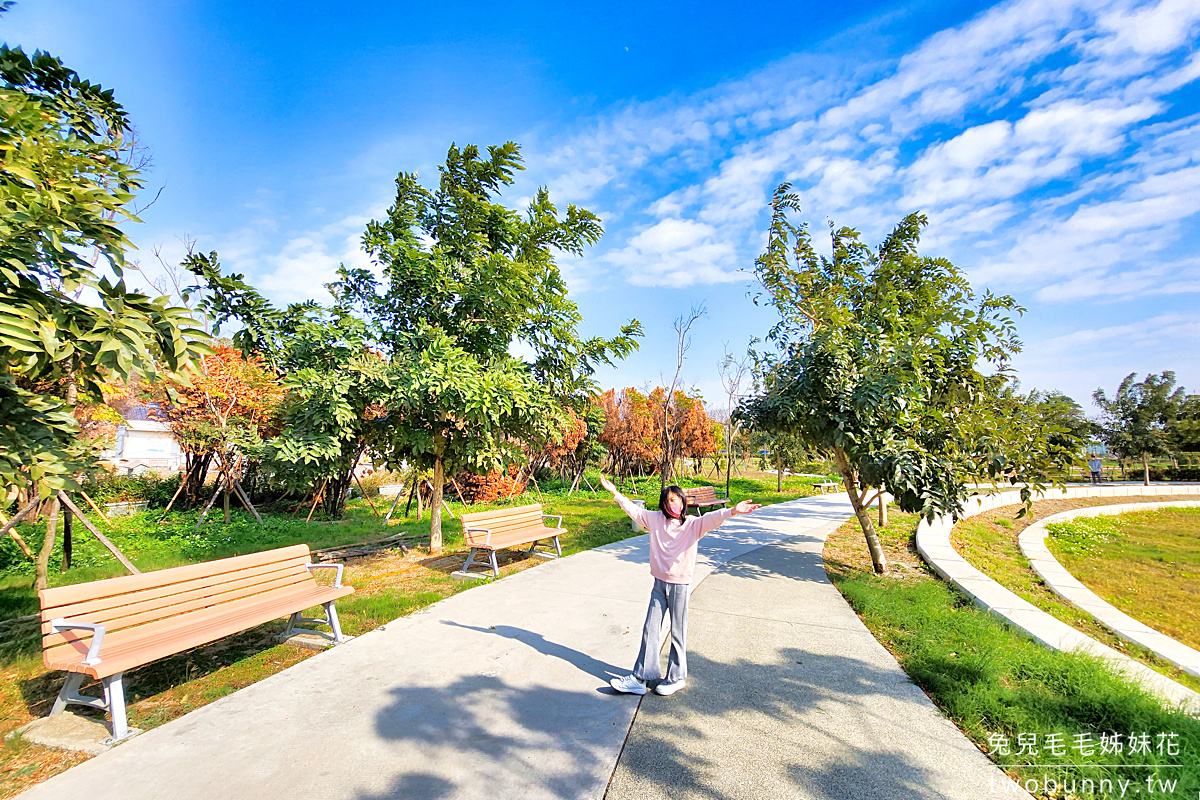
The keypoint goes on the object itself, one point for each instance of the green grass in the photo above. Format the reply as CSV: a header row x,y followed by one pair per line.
x,y
994,682
989,543
1146,563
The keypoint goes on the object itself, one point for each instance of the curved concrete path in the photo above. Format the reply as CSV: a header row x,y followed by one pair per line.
x,y
1033,544
933,543
501,691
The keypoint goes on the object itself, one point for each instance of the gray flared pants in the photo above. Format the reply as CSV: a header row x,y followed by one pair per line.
x,y
665,598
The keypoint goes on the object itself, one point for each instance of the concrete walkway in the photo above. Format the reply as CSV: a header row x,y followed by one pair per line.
x,y
1033,545
501,692
790,696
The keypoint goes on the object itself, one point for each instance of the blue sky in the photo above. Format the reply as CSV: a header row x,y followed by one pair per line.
x,y
1055,146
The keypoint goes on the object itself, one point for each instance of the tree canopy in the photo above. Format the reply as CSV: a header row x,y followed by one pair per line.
x,y
66,313
880,359
1136,420
465,279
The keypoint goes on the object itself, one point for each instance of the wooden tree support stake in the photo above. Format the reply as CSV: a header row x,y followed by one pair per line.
x,y
182,483
112,548
96,508
316,497
388,519
364,491
454,483
240,491
10,527
207,508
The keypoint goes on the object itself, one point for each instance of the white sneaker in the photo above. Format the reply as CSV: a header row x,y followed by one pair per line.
x,y
668,689
628,684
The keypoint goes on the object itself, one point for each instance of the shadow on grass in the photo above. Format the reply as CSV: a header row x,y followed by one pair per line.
x,y
159,676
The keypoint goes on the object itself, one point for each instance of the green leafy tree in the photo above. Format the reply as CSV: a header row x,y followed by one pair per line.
x,y
336,385
1135,421
464,278
66,313
877,361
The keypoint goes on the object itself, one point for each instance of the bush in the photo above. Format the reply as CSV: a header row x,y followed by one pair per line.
x,y
372,482
149,488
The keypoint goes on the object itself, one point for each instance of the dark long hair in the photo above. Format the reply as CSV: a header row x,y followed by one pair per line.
x,y
662,501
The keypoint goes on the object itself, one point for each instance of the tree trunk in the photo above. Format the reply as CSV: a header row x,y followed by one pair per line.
x,y
196,470
1145,469
778,473
225,500
43,562
68,545
334,499
435,507
882,510
878,559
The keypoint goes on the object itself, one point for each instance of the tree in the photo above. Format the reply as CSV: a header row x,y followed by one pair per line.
x,y
65,189
683,427
224,406
877,360
733,372
630,430
667,454
336,385
463,279
1135,421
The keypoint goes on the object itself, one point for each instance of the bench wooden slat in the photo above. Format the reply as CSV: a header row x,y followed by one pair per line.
x,y
114,642
156,640
65,595
512,538
117,619
104,608
507,528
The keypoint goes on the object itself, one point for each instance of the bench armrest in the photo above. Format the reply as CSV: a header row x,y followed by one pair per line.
x,y
93,654
337,581
721,495
554,516
487,539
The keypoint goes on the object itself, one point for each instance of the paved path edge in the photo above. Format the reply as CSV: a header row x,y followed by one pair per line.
x,y
1033,544
933,543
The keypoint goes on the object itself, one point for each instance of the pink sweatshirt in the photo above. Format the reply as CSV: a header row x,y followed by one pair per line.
x,y
673,543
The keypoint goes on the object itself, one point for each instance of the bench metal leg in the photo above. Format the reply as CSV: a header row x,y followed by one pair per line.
x,y
113,701
114,693
331,615
470,560
70,694
330,619
495,566
533,551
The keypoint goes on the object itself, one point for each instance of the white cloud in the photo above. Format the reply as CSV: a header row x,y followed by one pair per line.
x,y
676,252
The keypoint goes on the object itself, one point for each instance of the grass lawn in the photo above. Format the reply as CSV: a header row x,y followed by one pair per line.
x,y
989,543
1145,563
387,585
997,685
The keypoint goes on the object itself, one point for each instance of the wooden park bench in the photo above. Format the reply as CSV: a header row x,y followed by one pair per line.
x,y
489,531
103,628
702,497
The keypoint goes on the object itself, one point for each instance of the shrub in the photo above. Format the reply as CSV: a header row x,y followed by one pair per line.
x,y
149,488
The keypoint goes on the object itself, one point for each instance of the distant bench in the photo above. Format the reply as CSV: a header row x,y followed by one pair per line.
x,y
702,497
831,485
103,628
505,528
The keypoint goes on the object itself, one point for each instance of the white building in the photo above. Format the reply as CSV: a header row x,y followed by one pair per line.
x,y
145,445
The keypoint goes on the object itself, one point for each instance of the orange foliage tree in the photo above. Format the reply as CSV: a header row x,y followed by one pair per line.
x,y
633,429
225,405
